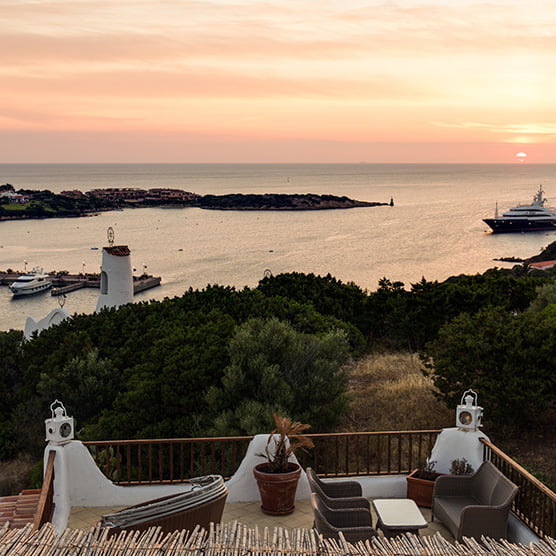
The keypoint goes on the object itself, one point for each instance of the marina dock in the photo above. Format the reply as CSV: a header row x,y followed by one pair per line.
x,y
66,283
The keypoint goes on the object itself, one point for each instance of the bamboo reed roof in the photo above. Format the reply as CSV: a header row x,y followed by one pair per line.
x,y
234,539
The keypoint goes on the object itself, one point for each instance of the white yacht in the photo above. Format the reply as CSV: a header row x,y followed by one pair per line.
x,y
34,281
525,218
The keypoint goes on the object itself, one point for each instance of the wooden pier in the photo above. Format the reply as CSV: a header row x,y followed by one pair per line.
x,y
61,287
143,283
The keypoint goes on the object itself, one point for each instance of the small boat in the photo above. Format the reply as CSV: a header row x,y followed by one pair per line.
x,y
525,218
32,282
202,505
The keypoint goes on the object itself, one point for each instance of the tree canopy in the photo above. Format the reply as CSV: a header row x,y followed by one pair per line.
x,y
221,360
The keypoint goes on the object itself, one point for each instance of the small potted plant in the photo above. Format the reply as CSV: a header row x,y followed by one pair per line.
x,y
461,467
420,484
277,478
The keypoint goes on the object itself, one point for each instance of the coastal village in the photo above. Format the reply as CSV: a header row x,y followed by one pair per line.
x,y
24,203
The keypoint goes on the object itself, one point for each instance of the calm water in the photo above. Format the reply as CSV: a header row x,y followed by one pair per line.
x,y
434,230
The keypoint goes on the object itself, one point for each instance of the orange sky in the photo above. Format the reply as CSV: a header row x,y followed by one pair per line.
x,y
277,81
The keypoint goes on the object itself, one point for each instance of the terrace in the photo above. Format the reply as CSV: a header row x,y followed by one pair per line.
x,y
85,480
380,461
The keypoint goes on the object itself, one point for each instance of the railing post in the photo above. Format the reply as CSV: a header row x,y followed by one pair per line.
x,y
46,505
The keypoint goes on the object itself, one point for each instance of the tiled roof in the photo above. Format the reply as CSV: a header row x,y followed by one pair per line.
x,y
543,264
18,511
118,250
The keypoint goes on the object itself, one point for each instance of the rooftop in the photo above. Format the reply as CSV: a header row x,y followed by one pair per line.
x,y
250,515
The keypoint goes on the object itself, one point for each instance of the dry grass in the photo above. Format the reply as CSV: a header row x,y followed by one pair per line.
x,y
14,474
390,392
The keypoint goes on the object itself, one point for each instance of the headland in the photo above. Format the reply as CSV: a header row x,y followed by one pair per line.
x,y
23,204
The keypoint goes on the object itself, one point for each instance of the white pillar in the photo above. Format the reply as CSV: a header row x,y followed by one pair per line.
x,y
116,280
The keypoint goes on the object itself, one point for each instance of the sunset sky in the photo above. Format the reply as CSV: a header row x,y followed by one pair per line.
x,y
277,81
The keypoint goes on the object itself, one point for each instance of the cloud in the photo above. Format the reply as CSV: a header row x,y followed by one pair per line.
x,y
548,128
439,69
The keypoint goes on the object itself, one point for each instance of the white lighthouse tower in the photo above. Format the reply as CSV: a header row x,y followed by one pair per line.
x,y
116,280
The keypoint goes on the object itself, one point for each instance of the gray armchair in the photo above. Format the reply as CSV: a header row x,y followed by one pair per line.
x,y
337,494
474,505
354,523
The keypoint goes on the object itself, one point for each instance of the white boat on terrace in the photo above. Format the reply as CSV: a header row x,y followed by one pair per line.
x,y
201,505
32,282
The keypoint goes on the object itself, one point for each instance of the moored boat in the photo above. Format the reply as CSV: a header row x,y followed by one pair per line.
x,y
32,282
525,218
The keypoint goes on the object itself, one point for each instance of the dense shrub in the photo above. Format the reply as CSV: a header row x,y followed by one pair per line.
x,y
507,358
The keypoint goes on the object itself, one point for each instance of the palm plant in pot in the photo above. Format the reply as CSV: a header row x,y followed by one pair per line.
x,y
277,478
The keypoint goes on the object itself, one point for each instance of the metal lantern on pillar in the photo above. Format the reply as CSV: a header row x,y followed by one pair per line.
x,y
60,427
468,413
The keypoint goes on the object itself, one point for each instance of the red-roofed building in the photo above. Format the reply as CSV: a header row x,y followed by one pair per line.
x,y
542,265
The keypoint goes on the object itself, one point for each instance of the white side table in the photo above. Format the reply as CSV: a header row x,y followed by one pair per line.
x,y
398,515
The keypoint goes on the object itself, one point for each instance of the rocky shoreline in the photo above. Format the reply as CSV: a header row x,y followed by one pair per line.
x,y
282,201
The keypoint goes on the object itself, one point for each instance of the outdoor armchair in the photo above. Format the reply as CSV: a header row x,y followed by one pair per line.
x,y
354,523
474,505
339,503
334,489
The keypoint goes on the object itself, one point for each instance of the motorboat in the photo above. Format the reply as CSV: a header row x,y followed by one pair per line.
x,y
525,218
32,282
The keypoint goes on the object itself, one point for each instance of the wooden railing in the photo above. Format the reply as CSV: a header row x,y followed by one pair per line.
x,y
368,453
133,462
163,461
535,503
45,507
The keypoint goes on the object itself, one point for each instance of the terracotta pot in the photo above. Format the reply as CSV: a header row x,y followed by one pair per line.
x,y
277,490
420,490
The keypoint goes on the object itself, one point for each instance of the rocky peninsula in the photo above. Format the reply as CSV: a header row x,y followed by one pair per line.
x,y
280,201
21,204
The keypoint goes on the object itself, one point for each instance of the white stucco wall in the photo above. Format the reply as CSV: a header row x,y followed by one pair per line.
x,y
452,444
79,482
56,316
117,278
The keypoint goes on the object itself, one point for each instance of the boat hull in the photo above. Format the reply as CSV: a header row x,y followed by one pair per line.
x,y
200,506
38,288
519,225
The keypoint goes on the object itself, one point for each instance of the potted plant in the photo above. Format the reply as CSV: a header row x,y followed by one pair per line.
x,y
461,467
420,484
277,478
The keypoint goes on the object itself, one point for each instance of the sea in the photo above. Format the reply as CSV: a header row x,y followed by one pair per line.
x,y
434,229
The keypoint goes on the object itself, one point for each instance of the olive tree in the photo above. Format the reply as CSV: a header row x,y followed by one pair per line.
x,y
274,368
